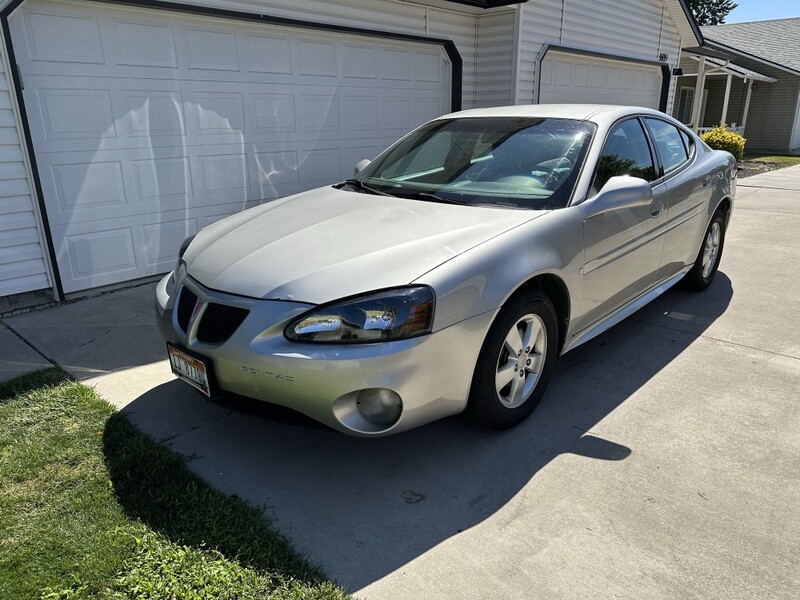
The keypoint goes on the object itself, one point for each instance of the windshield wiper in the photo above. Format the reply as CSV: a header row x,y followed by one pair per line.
x,y
364,187
428,197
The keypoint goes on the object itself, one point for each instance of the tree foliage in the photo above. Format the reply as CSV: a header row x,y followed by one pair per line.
x,y
711,12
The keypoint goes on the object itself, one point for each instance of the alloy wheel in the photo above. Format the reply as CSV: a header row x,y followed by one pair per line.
x,y
521,360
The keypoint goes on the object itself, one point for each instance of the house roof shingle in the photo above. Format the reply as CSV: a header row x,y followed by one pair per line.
x,y
776,40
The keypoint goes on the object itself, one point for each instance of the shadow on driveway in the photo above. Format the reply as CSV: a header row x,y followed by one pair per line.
x,y
364,508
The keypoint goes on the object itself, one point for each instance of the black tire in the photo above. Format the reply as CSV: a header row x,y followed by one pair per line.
x,y
504,408
700,277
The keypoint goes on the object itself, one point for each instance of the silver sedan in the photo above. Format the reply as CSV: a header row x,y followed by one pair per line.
x,y
451,271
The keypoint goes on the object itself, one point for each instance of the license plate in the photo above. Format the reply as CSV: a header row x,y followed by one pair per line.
x,y
189,368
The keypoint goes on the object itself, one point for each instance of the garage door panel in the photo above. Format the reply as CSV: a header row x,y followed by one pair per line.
x,y
89,187
149,124
210,49
162,180
359,61
271,113
102,252
274,173
360,112
56,37
577,78
203,113
268,54
144,44
426,109
216,112
75,113
161,241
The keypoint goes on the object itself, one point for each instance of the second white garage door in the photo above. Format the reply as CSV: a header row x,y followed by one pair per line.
x,y
582,79
148,125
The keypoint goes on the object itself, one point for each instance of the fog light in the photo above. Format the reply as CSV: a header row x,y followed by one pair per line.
x,y
379,406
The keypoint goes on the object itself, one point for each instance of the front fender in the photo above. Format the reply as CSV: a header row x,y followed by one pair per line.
x,y
483,278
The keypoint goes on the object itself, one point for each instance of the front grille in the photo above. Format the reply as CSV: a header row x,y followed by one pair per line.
x,y
219,322
186,304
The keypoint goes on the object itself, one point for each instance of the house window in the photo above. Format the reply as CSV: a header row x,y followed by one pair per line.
x,y
685,101
683,108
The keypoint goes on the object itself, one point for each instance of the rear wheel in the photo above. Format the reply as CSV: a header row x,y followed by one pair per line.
x,y
707,262
515,362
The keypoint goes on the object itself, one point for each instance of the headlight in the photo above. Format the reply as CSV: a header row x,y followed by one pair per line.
x,y
388,315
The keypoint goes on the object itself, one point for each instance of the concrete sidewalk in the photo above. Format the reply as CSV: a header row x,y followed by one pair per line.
x,y
664,461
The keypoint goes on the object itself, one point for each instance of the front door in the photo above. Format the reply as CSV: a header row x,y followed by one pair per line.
x,y
622,247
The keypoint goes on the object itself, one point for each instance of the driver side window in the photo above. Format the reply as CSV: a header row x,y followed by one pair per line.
x,y
626,152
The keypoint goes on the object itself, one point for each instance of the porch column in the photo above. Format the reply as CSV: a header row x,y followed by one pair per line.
x,y
746,104
724,119
698,93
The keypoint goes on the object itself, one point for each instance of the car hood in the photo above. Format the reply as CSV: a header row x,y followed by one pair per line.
x,y
326,244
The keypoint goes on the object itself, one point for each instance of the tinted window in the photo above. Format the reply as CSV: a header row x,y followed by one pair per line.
x,y
669,144
626,152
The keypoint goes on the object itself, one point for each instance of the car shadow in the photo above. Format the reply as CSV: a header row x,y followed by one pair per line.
x,y
362,508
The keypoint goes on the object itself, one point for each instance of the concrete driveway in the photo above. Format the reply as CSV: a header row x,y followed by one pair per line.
x,y
664,461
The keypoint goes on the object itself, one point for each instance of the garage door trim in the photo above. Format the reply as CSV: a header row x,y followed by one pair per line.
x,y
666,73
448,45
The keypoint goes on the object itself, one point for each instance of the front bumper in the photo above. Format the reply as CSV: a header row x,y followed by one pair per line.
x,y
432,374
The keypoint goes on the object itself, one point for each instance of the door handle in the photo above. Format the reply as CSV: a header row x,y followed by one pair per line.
x,y
656,209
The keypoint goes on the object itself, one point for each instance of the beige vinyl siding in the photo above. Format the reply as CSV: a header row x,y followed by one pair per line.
x,y
462,29
541,23
639,29
376,15
671,44
495,64
772,108
716,98
22,263
772,105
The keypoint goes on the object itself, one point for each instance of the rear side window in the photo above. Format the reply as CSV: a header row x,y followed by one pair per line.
x,y
669,144
688,142
626,152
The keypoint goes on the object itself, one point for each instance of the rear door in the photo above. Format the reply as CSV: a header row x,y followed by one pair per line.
x,y
689,190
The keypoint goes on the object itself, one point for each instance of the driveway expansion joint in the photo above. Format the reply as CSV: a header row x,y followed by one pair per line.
x,y
31,346
714,339
195,428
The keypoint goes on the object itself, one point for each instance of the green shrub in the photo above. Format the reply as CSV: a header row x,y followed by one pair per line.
x,y
720,138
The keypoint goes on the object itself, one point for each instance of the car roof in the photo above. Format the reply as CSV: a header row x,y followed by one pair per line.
x,y
597,113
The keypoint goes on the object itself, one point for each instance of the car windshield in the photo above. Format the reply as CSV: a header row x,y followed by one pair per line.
x,y
516,162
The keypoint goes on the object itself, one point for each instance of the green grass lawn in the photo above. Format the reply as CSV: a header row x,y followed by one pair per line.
x,y
787,160
91,508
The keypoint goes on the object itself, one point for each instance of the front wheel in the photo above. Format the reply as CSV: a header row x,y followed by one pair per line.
x,y
515,362
705,266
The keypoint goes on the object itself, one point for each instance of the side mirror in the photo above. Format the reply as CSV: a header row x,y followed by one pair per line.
x,y
618,193
361,165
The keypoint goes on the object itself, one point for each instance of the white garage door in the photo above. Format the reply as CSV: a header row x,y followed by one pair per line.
x,y
148,125
587,80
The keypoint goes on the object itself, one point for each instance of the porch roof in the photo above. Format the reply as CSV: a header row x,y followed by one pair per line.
x,y
717,66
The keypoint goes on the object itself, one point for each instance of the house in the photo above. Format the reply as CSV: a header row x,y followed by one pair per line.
x,y
748,77
126,126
